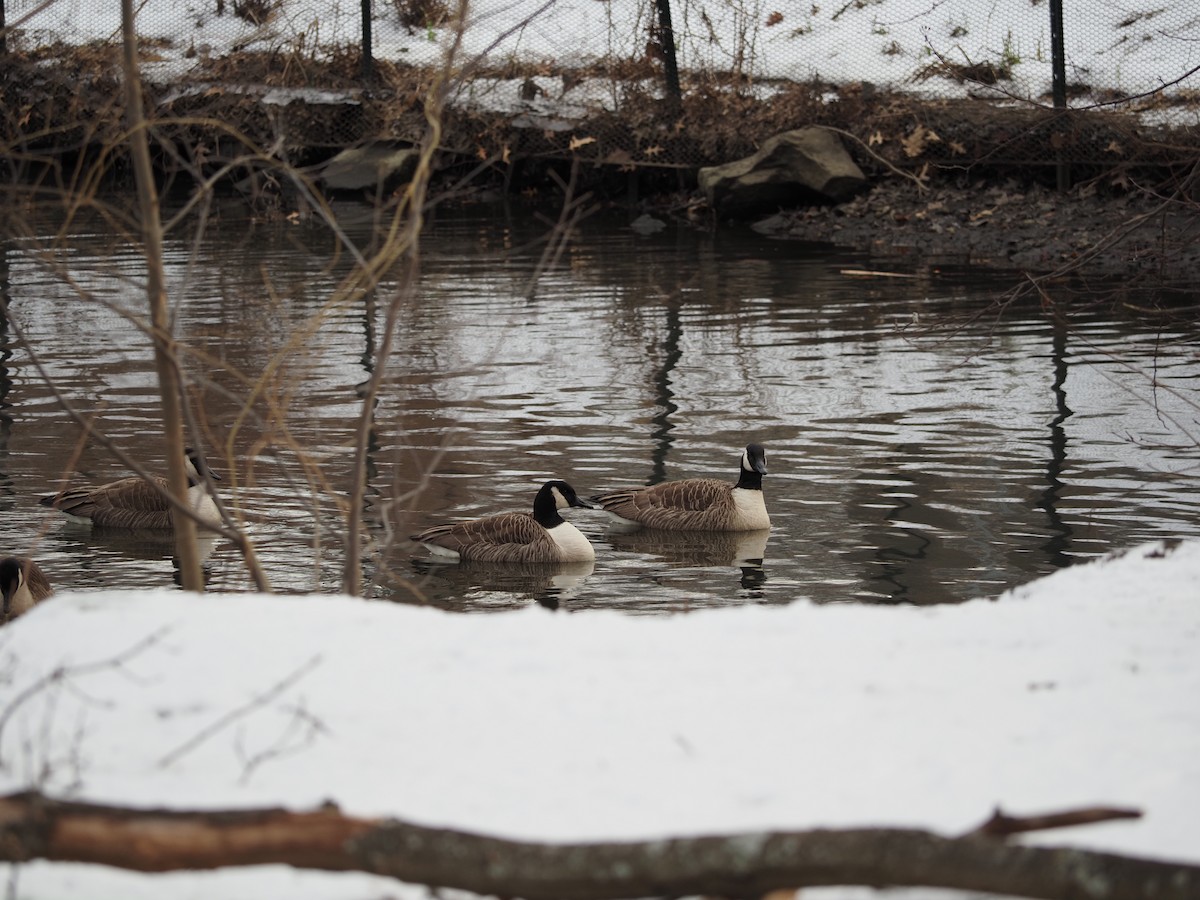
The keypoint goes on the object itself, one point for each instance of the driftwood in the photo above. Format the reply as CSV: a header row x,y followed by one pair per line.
x,y
33,826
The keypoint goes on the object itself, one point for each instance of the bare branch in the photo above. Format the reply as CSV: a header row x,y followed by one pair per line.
x,y
170,380
233,715
33,826
1002,825
63,674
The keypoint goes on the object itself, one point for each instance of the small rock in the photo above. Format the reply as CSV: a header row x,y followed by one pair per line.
x,y
793,168
647,224
366,167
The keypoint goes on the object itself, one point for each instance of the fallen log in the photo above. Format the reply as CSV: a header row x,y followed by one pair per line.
x,y
33,826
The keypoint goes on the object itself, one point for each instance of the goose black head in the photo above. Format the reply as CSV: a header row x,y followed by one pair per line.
x,y
755,459
196,468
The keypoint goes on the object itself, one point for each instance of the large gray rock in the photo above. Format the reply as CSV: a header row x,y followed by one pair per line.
x,y
805,166
368,166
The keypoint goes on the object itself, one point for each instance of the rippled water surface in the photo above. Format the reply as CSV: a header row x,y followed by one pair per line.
x,y
921,448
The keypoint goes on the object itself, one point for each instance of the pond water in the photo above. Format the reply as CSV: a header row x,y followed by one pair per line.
x,y
924,446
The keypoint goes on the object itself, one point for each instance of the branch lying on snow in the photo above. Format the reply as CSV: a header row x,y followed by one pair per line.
x,y
33,826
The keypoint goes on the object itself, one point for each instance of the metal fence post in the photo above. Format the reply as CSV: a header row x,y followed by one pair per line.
x,y
3,33
1058,64
366,39
666,37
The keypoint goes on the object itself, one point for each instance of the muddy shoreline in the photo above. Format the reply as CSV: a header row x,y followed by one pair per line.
x,y
65,116
1004,225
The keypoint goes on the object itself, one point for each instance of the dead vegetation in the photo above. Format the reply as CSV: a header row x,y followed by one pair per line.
x,y
963,73
418,15
70,108
256,12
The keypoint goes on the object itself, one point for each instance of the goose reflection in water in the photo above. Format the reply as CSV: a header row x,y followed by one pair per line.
x,y
694,548
744,550
132,543
473,586
86,544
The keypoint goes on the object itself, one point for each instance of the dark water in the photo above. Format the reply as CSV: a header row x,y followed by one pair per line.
x,y
922,447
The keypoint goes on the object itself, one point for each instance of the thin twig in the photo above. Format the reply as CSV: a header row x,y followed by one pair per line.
x,y
915,179
1002,825
61,673
285,744
233,715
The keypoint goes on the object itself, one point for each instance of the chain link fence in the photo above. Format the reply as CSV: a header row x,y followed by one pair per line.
x,y
632,83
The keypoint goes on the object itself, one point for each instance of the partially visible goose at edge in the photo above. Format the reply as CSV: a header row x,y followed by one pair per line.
x,y
697,504
23,584
135,503
541,537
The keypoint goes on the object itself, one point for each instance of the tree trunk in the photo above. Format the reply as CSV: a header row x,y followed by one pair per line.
x,y
35,827
165,356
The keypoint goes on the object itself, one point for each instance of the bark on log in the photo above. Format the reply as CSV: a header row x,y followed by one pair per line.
x,y
33,826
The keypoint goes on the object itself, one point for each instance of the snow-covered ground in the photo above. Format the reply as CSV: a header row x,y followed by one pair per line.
x,y
1124,46
1077,690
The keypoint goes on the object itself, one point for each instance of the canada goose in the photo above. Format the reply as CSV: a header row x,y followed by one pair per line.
x,y
135,502
697,504
24,584
542,537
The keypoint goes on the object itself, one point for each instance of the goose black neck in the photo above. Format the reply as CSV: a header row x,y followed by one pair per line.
x,y
751,481
10,580
545,509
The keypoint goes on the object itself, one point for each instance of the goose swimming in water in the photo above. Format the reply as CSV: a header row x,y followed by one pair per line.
x,y
541,537
136,503
23,584
697,504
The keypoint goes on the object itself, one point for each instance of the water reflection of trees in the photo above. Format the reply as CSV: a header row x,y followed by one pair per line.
x,y
1057,544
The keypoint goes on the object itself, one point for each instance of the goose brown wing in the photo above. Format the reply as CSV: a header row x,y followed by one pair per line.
x,y
36,580
675,504
510,537
128,503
